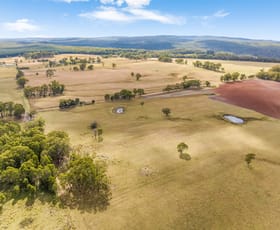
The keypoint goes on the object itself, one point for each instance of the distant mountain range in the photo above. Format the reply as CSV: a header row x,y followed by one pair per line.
x,y
237,46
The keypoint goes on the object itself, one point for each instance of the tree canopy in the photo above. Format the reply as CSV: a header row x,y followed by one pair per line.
x,y
273,74
85,177
166,111
31,163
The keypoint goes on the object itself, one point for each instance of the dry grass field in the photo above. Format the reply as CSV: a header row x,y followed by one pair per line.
x,y
88,85
8,87
152,188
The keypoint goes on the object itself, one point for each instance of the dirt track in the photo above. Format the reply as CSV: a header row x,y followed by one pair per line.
x,y
259,95
179,93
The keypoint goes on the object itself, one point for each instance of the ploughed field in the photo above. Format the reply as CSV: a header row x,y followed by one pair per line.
x,y
259,95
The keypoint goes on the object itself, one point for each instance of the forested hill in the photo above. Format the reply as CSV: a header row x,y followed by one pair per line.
x,y
175,44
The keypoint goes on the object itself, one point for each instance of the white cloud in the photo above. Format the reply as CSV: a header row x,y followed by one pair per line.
x,y
207,19
221,14
130,3
143,14
109,14
137,3
134,10
70,1
21,25
107,2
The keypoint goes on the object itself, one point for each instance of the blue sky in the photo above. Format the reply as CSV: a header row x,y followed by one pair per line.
x,y
257,19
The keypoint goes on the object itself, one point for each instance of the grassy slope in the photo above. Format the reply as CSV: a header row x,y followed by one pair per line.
x,y
213,190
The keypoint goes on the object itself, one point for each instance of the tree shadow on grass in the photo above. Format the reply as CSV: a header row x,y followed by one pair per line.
x,y
91,203
179,119
30,199
185,156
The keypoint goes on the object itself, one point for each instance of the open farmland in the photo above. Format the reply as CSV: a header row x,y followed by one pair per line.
x,y
88,85
152,188
8,87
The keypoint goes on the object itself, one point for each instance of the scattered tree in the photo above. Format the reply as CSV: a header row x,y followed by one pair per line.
x,y
166,111
181,148
75,68
94,125
138,76
50,72
90,67
83,66
21,82
243,77
180,61
249,157
107,97
19,74
165,59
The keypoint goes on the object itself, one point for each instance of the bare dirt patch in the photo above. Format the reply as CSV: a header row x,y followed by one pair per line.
x,y
258,95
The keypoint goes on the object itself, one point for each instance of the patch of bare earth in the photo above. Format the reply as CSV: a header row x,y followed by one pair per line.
x,y
258,95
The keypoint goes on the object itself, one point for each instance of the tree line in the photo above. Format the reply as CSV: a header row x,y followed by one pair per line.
x,y
124,94
81,64
11,109
217,67
38,55
186,84
70,103
235,76
20,79
52,89
136,75
272,74
181,61
165,58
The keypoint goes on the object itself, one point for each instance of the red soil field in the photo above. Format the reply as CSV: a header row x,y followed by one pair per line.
x,y
259,95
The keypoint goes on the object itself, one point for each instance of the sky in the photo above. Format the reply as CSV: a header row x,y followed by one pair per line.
x,y
256,19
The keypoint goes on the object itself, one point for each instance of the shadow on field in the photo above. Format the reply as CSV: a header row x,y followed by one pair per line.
x,y
96,202
268,161
30,200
